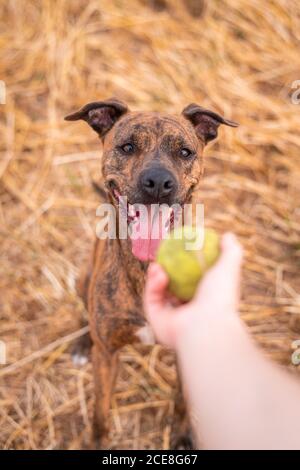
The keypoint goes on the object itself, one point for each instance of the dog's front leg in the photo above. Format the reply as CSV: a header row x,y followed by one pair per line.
x,y
105,366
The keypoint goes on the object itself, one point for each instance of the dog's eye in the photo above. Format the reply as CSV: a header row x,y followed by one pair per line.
x,y
127,148
185,153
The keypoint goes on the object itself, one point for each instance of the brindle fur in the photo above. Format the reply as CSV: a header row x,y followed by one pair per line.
x,y
112,288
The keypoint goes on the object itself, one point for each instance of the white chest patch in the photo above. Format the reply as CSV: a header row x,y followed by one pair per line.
x,y
146,335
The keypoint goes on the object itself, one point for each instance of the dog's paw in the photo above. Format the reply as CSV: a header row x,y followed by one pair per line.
x,y
183,442
79,360
99,437
81,351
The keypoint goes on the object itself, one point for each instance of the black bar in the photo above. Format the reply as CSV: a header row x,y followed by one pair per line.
x,y
151,458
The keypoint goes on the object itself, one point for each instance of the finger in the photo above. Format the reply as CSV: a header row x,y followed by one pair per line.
x,y
159,310
155,289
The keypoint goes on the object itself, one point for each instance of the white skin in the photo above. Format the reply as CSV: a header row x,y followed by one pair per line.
x,y
238,399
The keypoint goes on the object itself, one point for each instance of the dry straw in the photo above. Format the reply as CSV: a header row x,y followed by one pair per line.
x,y
238,57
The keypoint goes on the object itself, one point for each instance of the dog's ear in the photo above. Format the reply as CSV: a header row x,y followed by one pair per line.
x,y
100,115
206,122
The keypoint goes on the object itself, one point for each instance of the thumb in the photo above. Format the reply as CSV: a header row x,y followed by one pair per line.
x,y
223,279
231,255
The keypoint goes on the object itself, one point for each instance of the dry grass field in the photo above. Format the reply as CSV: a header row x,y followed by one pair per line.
x,y
237,57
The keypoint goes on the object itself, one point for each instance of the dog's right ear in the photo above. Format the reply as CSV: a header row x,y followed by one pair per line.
x,y
100,115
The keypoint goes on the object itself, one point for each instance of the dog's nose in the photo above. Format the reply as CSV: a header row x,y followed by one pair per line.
x,y
158,183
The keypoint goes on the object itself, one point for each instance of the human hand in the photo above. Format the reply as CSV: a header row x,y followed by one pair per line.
x,y
217,295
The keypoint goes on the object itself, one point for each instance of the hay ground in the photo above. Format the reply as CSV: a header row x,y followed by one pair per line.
x,y
240,58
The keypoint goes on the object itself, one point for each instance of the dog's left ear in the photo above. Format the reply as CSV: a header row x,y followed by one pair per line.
x,y
100,115
206,122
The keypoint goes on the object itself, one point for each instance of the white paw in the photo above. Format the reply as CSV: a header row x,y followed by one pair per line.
x,y
146,335
79,359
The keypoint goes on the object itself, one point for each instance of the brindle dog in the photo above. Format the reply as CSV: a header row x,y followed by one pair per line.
x,y
150,158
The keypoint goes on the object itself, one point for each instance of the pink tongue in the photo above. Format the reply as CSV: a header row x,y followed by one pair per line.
x,y
147,234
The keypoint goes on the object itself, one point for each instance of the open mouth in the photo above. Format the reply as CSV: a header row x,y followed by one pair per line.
x,y
147,225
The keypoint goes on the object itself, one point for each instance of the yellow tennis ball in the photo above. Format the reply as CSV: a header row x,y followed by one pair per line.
x,y
185,261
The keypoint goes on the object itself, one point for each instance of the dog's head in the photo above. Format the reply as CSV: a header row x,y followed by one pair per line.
x,y
149,157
